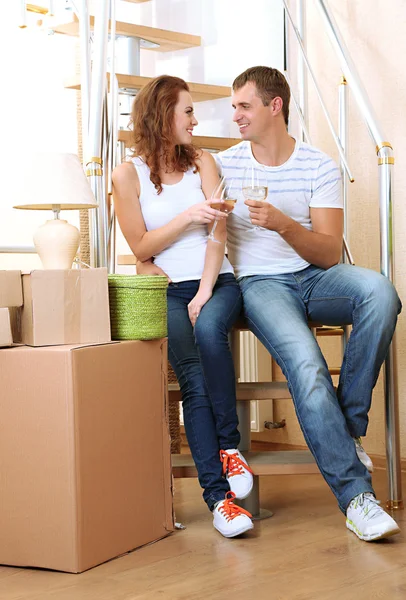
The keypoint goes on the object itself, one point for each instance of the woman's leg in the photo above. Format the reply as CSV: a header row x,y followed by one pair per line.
x,y
197,408
211,333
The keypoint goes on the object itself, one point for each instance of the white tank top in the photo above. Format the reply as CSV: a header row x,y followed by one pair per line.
x,y
184,259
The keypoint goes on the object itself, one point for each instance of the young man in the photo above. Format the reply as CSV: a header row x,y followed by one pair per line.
x,y
289,273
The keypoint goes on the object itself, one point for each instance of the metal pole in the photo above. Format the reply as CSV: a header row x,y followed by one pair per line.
x,y
343,135
285,41
305,131
112,141
302,73
394,473
128,55
84,38
98,222
23,14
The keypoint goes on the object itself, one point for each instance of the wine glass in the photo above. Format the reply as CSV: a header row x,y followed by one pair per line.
x,y
225,193
255,186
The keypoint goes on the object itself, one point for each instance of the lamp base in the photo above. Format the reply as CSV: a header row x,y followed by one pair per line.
x,y
57,243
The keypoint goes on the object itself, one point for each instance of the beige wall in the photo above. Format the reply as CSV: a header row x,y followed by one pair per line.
x,y
374,34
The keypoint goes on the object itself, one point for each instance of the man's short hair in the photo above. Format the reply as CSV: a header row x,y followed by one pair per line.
x,y
270,83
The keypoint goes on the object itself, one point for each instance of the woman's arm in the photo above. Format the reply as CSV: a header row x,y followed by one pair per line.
x,y
215,251
145,244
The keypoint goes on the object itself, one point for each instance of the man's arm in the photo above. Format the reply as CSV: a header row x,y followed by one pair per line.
x,y
321,247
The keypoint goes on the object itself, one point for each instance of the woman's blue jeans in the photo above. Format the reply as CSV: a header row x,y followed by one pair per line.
x,y
202,361
278,307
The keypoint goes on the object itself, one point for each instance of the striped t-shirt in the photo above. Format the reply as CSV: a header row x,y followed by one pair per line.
x,y
308,179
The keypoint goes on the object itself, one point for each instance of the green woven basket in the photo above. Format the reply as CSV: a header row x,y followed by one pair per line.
x,y
138,308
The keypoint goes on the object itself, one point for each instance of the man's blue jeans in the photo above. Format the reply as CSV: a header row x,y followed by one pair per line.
x,y
203,365
277,308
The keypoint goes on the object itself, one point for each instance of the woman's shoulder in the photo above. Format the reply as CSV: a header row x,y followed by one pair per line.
x,y
124,172
205,159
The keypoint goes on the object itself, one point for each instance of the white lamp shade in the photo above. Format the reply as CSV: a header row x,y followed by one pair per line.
x,y
52,179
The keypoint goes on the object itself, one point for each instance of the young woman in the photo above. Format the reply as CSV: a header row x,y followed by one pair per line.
x,y
162,200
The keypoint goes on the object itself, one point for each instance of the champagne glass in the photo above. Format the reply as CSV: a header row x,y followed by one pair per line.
x,y
225,194
255,186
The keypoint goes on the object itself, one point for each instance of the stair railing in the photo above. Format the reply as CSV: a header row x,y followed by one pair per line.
x,y
386,161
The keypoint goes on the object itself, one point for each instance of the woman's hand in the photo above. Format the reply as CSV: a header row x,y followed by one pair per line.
x,y
204,213
149,268
197,303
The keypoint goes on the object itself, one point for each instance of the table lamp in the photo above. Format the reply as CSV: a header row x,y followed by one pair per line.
x,y
54,181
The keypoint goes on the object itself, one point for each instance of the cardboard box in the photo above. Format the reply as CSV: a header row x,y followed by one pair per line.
x,y
65,307
6,338
85,464
11,293
15,320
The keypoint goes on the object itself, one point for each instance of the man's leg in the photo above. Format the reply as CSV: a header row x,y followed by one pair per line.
x,y
346,294
276,313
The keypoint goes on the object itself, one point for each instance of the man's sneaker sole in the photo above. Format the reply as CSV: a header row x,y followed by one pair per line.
x,y
238,532
371,538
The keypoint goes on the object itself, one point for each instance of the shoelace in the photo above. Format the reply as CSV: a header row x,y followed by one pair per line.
x,y
370,505
232,464
231,510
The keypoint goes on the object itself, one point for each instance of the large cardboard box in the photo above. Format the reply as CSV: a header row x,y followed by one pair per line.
x,y
85,464
11,293
6,338
65,307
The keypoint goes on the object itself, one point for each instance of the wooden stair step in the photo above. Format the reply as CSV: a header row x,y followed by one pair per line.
x,y
202,141
199,91
283,462
168,40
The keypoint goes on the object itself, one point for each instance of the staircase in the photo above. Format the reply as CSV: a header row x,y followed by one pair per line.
x,y
170,41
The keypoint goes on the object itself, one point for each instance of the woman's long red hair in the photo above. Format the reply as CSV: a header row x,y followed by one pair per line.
x,y
152,119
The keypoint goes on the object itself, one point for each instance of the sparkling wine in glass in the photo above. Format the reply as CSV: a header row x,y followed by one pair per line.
x,y
255,186
225,193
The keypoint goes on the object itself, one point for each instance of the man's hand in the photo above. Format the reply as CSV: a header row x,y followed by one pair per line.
x,y
197,303
149,268
264,214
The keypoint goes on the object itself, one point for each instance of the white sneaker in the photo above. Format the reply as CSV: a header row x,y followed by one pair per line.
x,y
363,456
368,520
237,472
229,519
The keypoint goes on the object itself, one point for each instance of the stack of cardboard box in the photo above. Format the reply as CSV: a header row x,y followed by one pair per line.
x,y
84,445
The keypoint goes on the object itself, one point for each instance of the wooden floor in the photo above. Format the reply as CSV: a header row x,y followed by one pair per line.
x,y
304,552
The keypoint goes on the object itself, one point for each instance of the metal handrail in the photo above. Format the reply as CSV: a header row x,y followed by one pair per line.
x,y
323,105
385,162
350,73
